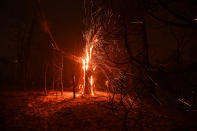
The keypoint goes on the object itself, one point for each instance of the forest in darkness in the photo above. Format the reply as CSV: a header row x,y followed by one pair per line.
x,y
98,65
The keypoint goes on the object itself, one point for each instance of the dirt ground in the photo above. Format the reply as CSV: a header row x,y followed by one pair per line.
x,y
31,110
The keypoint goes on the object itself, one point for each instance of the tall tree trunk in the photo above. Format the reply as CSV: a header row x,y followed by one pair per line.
x,y
73,73
45,79
26,51
53,85
73,85
24,76
146,47
62,66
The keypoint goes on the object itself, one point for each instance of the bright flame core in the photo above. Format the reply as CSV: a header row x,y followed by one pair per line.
x,y
86,67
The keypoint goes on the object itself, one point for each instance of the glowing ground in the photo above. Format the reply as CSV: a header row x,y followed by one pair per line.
x,y
32,110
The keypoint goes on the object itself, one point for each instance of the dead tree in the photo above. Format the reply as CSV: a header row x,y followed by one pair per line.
x,y
45,78
74,85
73,74
57,66
54,46
61,76
25,33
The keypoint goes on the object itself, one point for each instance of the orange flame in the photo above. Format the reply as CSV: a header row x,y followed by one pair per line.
x,y
91,82
85,67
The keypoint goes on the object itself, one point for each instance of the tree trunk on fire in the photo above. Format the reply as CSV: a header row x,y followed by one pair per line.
x,y
87,83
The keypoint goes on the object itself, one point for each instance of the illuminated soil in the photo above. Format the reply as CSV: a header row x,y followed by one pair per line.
x,y
34,111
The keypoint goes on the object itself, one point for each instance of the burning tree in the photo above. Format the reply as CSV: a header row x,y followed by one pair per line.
x,y
88,68
104,50
126,70
107,51
98,48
